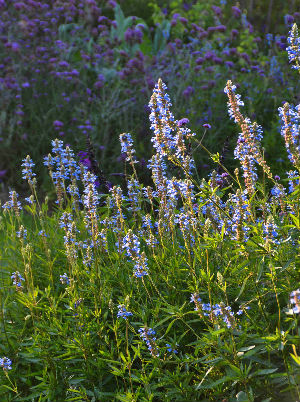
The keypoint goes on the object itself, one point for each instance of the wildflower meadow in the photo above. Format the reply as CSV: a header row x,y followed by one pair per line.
x,y
163,282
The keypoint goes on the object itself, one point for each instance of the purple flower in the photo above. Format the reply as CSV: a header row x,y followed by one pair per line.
x,y
236,11
209,55
234,33
183,122
217,10
220,28
58,124
229,64
199,60
183,20
288,19
188,91
206,125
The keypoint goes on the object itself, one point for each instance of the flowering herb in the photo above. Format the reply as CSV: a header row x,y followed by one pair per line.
x,y
5,363
148,335
295,301
122,312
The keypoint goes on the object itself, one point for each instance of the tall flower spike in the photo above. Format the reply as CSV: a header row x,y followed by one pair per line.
x,y
248,149
290,131
295,300
169,134
13,203
147,334
127,147
27,170
162,120
294,47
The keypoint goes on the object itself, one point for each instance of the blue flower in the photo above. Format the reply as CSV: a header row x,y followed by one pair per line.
x,y
123,313
27,170
17,279
295,300
127,146
170,349
293,49
5,363
147,334
64,279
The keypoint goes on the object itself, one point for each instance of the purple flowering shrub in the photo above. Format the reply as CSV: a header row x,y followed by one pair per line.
x,y
77,69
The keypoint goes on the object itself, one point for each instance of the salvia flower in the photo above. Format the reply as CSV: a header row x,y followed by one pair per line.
x,y
134,194
240,216
290,130
13,203
148,335
141,266
17,279
65,221
170,348
27,170
127,147
293,175
64,279
294,47
234,101
270,231
123,313
295,301
200,307
5,363
248,149
131,245
22,233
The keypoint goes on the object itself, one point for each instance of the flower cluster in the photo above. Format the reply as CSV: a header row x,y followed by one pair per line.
x,y
17,279
127,147
170,349
215,311
294,47
64,279
62,166
5,363
295,301
131,245
293,176
123,313
248,150
27,170
13,203
270,231
148,335
290,130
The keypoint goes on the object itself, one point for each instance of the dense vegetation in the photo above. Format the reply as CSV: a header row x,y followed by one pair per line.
x,y
170,270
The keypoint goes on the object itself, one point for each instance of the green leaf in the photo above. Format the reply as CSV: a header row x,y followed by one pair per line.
x,y
264,372
242,397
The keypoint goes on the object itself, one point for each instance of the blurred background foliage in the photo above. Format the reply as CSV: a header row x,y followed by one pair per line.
x,y
72,69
